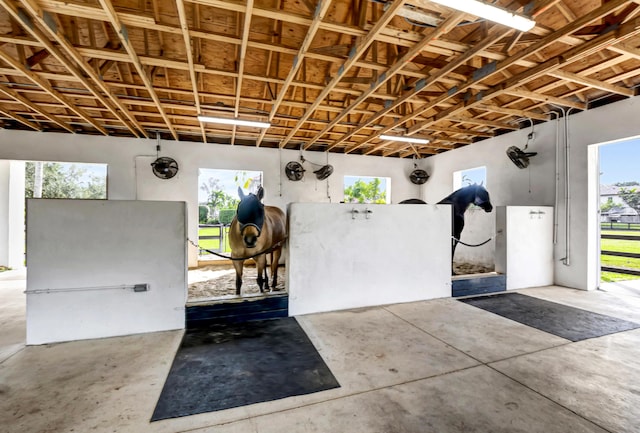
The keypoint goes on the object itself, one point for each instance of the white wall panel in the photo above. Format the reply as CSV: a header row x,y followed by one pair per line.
x,y
524,245
80,255
339,260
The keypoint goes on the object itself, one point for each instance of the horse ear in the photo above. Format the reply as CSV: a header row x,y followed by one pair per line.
x,y
260,193
240,193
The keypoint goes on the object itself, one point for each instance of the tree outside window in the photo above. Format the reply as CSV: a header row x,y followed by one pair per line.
x,y
366,189
65,180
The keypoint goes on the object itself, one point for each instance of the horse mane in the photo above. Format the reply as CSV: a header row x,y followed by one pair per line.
x,y
451,197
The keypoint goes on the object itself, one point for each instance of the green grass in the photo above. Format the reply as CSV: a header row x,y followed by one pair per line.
x,y
622,246
213,244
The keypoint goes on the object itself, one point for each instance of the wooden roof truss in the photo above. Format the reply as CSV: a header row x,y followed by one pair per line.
x,y
328,75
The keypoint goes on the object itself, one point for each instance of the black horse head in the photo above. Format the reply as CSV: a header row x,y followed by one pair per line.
x,y
250,215
482,198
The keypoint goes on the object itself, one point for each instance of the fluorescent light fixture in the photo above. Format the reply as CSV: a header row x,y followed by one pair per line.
x,y
490,12
230,121
405,139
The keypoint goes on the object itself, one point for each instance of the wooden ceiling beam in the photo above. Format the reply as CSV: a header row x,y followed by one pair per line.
x,y
54,32
36,58
614,35
52,92
590,82
182,15
432,78
454,131
246,27
320,11
357,50
10,93
445,27
20,119
121,31
498,67
482,122
493,107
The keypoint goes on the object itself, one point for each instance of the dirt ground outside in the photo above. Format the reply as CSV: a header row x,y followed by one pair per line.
x,y
219,281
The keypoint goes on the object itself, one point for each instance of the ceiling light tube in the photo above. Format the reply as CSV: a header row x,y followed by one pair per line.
x,y
230,121
490,12
405,139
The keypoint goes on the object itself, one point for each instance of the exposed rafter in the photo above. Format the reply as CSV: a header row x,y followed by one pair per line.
x,y
123,35
53,31
192,73
329,75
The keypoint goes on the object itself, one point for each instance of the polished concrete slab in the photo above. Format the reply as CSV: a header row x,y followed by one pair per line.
x,y
598,379
433,366
485,337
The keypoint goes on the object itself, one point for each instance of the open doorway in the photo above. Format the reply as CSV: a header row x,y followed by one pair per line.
x,y
619,210
214,279
471,260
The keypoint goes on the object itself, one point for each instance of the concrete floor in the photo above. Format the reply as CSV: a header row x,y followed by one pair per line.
x,y
436,366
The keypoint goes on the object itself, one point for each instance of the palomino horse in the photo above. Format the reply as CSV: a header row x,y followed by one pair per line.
x,y
256,228
461,200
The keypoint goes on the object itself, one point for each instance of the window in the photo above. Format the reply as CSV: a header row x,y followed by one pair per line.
x,y
65,180
367,189
470,176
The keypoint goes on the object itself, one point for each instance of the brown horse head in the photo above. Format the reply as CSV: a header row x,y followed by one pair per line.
x,y
250,215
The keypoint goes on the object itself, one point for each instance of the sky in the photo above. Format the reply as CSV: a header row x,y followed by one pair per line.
x,y
620,162
227,179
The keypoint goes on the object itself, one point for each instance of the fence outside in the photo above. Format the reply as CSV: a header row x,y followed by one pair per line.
x,y
215,239
621,227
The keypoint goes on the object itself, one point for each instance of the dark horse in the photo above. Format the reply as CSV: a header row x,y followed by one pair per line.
x,y
461,200
256,228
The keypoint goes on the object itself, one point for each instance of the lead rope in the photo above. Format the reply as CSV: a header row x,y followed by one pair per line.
x,y
470,245
268,250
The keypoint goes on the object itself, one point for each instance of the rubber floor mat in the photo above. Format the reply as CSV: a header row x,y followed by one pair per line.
x,y
231,365
567,322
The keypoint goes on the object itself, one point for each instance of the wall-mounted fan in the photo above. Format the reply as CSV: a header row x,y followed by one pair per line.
x,y
164,167
294,171
418,176
324,172
519,157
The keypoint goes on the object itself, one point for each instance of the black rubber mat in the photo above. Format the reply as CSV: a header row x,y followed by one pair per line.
x,y
568,322
231,365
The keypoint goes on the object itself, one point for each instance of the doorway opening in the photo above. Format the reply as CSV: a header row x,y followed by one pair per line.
x,y
619,216
214,279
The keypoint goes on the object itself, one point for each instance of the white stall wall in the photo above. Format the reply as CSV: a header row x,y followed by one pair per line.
x,y
81,253
339,259
130,176
524,245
